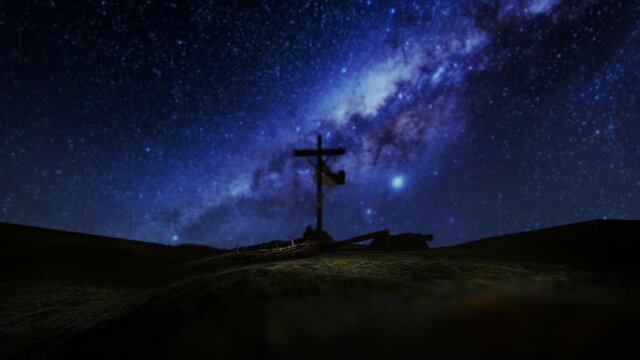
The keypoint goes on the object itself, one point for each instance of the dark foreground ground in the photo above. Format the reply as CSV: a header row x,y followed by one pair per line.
x,y
565,292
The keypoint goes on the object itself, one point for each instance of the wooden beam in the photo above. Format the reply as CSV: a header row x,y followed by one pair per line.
x,y
381,233
323,152
319,184
334,245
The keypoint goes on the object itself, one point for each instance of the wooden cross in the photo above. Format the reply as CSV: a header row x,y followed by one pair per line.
x,y
318,153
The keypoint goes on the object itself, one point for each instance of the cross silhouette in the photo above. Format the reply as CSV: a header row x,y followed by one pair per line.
x,y
321,168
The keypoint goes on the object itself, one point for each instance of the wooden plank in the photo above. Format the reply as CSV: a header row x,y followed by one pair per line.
x,y
381,233
323,152
333,246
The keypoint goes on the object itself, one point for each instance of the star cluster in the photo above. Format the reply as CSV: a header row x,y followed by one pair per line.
x,y
175,121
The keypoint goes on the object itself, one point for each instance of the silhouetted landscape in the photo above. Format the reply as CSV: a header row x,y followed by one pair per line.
x,y
319,179
567,291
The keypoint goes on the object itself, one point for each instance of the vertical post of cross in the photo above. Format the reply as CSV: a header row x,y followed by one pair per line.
x,y
319,185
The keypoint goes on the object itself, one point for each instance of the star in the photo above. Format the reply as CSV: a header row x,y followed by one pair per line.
x,y
397,182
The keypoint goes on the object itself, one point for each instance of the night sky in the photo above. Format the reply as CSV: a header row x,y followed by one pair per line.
x,y
175,122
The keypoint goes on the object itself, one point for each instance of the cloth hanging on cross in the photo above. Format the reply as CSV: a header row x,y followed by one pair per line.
x,y
329,178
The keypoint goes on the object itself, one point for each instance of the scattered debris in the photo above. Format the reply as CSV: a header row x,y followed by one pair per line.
x,y
315,241
274,251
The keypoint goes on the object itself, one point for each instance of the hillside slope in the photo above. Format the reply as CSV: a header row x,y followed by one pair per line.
x,y
30,253
56,283
598,244
514,296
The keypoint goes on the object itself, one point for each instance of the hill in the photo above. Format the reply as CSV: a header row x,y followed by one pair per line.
x,y
32,254
598,244
569,291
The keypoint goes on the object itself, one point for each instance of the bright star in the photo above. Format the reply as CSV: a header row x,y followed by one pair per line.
x,y
397,182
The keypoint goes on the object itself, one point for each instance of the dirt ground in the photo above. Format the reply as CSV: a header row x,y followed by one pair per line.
x,y
508,297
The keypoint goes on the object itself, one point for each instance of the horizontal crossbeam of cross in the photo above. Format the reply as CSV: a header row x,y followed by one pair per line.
x,y
323,152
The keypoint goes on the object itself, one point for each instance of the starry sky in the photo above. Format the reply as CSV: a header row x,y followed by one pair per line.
x,y
175,122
